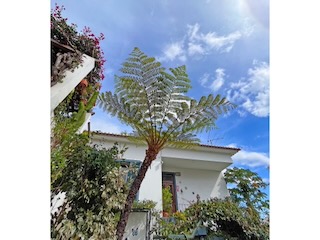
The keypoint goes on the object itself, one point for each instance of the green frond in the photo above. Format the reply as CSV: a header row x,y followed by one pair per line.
x,y
202,101
215,101
132,71
187,144
139,140
153,101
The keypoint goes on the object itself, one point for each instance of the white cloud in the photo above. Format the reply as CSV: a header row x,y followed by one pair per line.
x,y
251,159
205,43
173,51
183,58
252,93
204,79
232,145
194,49
219,80
216,83
193,32
225,43
196,43
248,28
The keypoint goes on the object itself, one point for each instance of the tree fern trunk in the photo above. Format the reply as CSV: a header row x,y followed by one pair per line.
x,y
151,155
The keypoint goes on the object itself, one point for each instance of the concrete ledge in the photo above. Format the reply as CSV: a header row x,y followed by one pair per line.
x,y
61,90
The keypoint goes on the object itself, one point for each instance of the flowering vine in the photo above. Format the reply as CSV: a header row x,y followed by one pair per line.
x,y
68,46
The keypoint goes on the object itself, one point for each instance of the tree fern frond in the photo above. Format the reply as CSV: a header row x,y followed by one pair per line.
x,y
185,144
154,101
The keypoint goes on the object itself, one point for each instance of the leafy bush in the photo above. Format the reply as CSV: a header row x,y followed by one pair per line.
x,y
176,224
225,217
95,192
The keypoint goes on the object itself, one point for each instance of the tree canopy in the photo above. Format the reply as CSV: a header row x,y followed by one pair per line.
x,y
246,188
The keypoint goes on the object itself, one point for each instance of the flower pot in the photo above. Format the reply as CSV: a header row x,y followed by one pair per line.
x,y
84,83
165,214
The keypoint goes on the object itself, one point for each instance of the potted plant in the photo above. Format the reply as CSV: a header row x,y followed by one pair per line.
x,y
167,201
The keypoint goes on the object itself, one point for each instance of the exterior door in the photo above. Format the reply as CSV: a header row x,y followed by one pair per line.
x,y
168,179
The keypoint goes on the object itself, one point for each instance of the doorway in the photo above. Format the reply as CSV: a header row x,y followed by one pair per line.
x,y
168,180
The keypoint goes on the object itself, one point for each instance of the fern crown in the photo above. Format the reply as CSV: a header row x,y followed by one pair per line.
x,y
154,103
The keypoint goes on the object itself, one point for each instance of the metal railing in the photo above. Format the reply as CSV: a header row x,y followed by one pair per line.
x,y
183,206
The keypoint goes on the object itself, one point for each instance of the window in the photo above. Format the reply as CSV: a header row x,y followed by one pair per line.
x,y
131,168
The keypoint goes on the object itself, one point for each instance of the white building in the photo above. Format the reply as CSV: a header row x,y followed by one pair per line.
x,y
188,172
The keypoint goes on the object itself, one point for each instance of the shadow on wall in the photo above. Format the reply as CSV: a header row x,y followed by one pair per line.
x,y
220,189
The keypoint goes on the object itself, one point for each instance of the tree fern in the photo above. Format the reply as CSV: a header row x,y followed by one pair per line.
x,y
154,103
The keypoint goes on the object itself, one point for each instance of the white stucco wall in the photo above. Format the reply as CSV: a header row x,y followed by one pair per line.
x,y
196,154
151,186
200,170
206,183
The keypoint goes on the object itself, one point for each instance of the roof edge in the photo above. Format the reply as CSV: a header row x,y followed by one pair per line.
x,y
200,145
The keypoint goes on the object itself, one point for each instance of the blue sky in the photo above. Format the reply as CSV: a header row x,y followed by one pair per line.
x,y
224,45
294,121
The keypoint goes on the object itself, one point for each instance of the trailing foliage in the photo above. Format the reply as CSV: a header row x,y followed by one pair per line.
x,y
67,49
95,192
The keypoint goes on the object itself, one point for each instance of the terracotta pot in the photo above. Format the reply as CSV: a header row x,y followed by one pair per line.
x,y
165,214
84,83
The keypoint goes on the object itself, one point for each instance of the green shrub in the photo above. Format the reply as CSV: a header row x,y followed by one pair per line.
x,y
95,192
225,217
